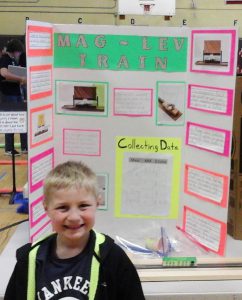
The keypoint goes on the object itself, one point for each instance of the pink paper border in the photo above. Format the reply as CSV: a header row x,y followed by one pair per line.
x,y
49,106
39,230
35,159
223,231
226,142
40,94
39,52
133,115
224,199
232,50
86,130
230,97
32,205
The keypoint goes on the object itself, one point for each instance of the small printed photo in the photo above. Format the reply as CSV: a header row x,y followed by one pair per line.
x,y
212,54
239,60
41,125
103,185
88,98
169,108
211,51
170,103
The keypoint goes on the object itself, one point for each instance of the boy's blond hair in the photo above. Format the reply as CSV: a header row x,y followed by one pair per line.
x,y
70,174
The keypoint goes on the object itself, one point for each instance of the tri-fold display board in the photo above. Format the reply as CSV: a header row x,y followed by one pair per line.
x,y
150,109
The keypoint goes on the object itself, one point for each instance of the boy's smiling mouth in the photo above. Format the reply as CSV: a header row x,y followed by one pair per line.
x,y
76,227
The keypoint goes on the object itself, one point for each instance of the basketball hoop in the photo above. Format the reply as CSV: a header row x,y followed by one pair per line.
x,y
147,5
146,8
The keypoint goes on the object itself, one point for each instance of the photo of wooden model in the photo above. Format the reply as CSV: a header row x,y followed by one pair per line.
x,y
85,95
212,54
170,109
84,98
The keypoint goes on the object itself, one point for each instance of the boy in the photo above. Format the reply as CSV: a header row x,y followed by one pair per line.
x,y
75,262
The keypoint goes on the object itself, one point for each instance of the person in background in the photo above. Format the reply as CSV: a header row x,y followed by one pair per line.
x,y
1,54
75,262
23,63
22,60
10,86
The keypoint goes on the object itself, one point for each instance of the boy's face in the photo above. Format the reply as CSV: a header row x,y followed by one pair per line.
x,y
72,212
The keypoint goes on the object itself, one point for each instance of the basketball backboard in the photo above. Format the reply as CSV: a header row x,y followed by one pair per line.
x,y
151,7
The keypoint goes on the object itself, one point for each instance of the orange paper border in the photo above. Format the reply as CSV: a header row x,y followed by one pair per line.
x,y
40,94
39,52
224,200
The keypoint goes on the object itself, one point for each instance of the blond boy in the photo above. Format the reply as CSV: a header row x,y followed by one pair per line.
x,y
74,262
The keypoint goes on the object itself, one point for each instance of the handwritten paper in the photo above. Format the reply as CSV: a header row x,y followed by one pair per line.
x,y
40,81
82,142
215,100
206,185
133,102
39,40
208,138
37,212
40,165
207,231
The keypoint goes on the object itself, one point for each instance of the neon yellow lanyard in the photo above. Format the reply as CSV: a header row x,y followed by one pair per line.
x,y
31,293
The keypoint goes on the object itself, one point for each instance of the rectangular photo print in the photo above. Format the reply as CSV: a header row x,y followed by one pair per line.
x,y
213,51
82,98
170,103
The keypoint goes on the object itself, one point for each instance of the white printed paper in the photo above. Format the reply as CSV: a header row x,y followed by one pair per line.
x,y
13,122
146,184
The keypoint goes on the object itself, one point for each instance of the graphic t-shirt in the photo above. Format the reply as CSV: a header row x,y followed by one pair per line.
x,y
63,279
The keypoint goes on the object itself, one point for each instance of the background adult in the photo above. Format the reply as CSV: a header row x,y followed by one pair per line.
x,y
10,85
